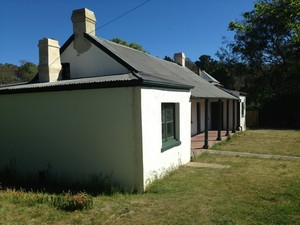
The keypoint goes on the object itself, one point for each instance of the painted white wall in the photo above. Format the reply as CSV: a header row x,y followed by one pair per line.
x,y
242,124
75,133
93,62
193,117
225,114
230,114
155,162
202,115
243,118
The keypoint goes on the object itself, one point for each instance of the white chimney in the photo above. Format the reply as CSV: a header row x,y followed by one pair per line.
x,y
84,21
180,58
49,60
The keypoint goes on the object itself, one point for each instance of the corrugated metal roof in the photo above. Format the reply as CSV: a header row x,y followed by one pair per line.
x,y
90,80
144,68
235,93
150,67
208,77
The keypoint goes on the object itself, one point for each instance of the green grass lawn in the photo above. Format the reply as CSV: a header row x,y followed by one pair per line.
x,y
251,191
277,142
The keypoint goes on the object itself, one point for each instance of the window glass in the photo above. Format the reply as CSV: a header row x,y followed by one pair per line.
x,y
169,124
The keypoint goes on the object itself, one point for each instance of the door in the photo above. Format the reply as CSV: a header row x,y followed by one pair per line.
x,y
214,107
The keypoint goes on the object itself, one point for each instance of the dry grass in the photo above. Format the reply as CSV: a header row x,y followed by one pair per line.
x,y
277,142
251,191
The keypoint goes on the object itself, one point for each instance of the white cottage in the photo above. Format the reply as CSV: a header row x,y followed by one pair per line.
x,y
233,112
97,107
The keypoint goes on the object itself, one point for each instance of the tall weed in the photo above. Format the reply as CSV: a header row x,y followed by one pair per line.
x,y
66,201
70,202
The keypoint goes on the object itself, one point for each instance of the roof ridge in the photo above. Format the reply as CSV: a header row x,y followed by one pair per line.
x,y
140,52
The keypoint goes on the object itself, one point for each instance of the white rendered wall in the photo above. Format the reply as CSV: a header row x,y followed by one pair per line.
x,y
225,114
243,118
155,162
230,114
194,118
74,134
93,62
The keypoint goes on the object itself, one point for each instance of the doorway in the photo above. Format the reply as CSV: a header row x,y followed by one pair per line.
x,y
215,115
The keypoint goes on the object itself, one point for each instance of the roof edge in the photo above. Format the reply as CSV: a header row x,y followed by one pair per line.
x,y
95,85
71,87
150,83
66,44
215,98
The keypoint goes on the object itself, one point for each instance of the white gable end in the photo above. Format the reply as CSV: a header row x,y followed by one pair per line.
x,y
93,62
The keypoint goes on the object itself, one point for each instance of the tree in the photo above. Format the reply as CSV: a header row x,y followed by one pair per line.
x,y
131,45
191,65
168,58
220,71
206,63
26,71
267,42
269,34
10,73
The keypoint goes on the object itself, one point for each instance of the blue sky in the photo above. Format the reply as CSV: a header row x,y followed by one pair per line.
x,y
162,27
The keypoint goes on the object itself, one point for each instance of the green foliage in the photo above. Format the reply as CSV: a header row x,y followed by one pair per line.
x,y
27,71
191,65
267,46
225,73
206,63
131,45
168,58
269,34
10,74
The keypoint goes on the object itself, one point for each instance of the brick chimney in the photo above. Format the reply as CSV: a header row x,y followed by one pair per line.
x,y
180,58
84,21
49,60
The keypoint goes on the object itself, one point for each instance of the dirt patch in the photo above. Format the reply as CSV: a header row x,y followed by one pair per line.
x,y
207,165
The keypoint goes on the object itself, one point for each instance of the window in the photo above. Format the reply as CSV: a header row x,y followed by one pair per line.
x,y
170,125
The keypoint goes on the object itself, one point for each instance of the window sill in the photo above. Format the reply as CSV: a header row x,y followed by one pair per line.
x,y
170,144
